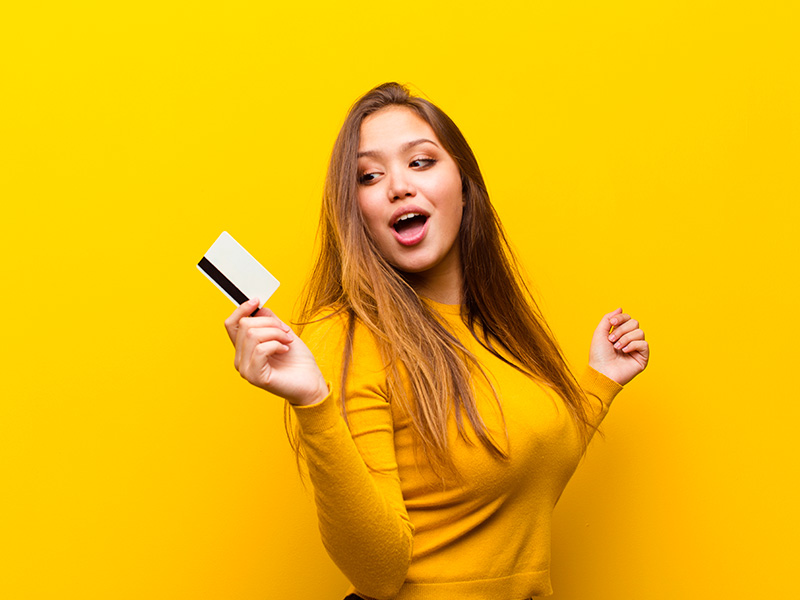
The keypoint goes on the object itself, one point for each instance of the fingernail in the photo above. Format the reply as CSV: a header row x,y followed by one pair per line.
x,y
617,345
612,337
613,321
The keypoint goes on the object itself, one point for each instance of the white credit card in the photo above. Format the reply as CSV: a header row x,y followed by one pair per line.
x,y
236,273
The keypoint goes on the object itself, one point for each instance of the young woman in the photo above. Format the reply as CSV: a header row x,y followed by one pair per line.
x,y
437,416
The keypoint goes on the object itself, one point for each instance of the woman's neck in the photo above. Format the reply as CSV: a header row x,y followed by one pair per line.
x,y
443,285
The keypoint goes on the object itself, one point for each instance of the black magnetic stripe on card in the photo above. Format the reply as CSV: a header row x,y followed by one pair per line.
x,y
222,281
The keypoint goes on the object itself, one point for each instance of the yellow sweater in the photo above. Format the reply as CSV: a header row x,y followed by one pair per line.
x,y
396,532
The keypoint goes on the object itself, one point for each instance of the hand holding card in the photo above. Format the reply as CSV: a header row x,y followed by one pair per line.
x,y
268,353
271,356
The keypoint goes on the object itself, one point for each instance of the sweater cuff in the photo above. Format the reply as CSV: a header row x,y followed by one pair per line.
x,y
595,383
318,417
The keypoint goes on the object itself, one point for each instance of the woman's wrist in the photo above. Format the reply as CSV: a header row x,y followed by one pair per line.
x,y
315,398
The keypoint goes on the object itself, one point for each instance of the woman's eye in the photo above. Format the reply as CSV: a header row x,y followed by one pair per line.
x,y
367,178
423,162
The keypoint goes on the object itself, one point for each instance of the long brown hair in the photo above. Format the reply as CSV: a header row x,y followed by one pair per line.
x,y
351,277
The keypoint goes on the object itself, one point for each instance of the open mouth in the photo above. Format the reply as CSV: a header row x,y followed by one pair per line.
x,y
410,225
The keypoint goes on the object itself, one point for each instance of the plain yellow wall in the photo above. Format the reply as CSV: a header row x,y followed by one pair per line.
x,y
642,155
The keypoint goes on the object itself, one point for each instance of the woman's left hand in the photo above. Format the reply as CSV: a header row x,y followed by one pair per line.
x,y
620,354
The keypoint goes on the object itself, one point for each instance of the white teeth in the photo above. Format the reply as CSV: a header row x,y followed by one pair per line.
x,y
408,216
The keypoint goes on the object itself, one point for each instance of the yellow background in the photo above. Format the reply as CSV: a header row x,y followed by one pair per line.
x,y
642,155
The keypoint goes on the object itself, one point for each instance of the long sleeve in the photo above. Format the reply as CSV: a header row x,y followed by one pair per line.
x,y
352,466
600,390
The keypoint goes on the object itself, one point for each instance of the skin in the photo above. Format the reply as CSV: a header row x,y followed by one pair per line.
x,y
270,355
396,169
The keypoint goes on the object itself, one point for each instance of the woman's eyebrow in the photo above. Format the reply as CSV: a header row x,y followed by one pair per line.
x,y
403,148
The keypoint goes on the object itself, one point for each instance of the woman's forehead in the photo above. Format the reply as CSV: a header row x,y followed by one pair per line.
x,y
391,128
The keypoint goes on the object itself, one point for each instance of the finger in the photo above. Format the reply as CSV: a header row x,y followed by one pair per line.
x,y
259,322
254,366
605,323
619,319
266,349
232,322
256,335
620,330
250,337
636,334
247,341
247,324
640,346
244,309
266,312
243,348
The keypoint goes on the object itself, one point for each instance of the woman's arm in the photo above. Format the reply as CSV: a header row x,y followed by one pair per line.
x,y
614,359
600,391
362,517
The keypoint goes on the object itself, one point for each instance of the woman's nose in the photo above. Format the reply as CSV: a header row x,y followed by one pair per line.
x,y
400,187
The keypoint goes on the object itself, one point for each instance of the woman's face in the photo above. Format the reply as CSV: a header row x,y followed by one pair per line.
x,y
409,191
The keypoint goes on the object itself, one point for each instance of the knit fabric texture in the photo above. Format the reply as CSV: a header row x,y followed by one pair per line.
x,y
395,529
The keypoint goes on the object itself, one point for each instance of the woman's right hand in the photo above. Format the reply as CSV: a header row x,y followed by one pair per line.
x,y
269,355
